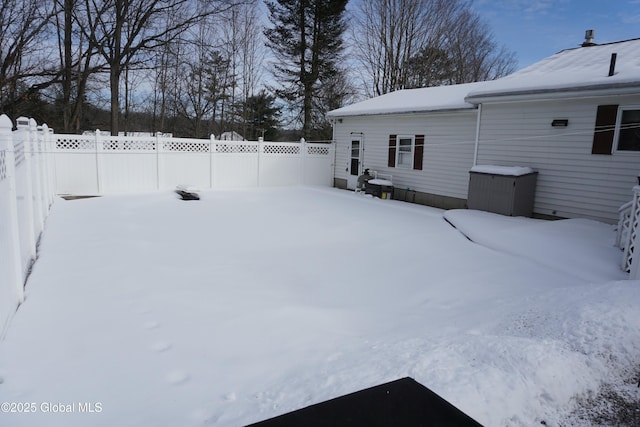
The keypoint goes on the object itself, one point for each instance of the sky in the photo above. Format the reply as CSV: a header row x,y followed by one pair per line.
x,y
535,29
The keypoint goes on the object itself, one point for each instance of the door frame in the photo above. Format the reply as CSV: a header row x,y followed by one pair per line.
x,y
352,178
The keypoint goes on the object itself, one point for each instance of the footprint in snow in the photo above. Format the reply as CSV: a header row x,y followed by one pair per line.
x,y
142,310
177,377
160,346
151,325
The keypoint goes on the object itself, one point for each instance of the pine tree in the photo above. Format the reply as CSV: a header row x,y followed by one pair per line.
x,y
307,43
262,116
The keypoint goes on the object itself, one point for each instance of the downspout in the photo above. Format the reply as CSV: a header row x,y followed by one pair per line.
x,y
475,150
335,150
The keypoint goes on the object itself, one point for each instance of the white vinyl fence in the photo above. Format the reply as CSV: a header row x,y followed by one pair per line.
x,y
26,193
97,165
36,164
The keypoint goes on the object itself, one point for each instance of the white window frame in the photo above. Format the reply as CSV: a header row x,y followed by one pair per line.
x,y
411,153
616,135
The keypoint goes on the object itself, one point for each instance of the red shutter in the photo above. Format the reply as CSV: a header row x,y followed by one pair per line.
x,y
392,151
605,128
418,152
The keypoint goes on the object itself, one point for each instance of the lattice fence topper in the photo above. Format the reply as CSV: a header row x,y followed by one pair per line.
x,y
3,165
19,152
236,148
142,145
627,258
313,150
71,143
186,147
281,149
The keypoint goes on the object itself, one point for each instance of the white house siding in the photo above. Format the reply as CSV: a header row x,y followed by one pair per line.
x,y
448,151
572,182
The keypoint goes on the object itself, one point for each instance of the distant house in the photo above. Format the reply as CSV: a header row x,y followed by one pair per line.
x,y
231,136
574,117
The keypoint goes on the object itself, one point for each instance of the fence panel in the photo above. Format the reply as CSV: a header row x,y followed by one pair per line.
x,y
24,194
281,164
318,164
128,164
235,164
185,161
11,290
88,165
25,198
75,164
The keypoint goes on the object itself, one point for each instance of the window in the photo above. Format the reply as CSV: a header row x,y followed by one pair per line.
x,y
406,151
616,123
628,129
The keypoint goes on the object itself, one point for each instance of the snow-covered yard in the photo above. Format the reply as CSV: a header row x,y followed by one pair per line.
x,y
248,304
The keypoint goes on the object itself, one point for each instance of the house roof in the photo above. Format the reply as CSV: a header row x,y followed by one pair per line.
x,y
575,70
572,70
438,98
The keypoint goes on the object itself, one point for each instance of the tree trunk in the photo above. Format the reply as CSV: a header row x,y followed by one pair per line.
x,y
114,82
115,64
66,80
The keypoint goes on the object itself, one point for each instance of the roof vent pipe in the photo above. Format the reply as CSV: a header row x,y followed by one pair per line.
x,y
589,35
612,64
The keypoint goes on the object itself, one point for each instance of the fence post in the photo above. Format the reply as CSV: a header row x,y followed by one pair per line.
x,y
42,172
332,162
46,172
99,153
303,158
36,182
212,153
53,176
260,148
159,161
14,263
27,186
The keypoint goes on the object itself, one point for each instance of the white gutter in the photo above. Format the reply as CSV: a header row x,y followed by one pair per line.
x,y
554,94
475,150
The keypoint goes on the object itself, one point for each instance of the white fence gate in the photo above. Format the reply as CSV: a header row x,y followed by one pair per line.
x,y
36,164
96,165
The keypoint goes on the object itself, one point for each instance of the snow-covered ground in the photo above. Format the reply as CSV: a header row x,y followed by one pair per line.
x,y
248,304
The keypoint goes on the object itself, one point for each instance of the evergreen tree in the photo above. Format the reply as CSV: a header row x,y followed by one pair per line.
x,y
263,117
306,40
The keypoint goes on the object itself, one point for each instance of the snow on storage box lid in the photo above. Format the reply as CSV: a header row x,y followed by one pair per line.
x,y
502,170
380,182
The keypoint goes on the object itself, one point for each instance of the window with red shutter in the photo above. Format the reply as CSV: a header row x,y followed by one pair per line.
x,y
605,129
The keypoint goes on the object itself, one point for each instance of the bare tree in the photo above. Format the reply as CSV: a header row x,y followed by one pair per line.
x,y
410,43
127,28
77,61
241,39
252,57
472,53
389,32
24,65
165,75
193,101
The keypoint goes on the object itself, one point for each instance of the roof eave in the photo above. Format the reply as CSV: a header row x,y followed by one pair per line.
x,y
620,88
336,114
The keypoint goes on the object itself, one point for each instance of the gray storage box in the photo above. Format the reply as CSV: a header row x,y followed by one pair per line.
x,y
504,190
379,188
